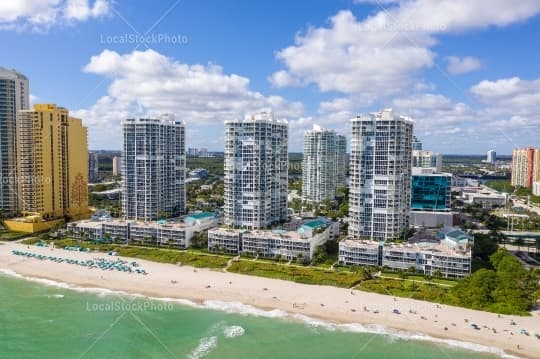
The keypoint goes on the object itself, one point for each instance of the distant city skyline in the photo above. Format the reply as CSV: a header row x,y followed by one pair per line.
x,y
109,61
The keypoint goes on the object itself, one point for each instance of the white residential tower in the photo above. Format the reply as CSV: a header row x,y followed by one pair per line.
x,y
154,167
323,167
256,171
380,176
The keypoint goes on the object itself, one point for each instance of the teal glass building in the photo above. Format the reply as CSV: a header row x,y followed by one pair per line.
x,y
431,192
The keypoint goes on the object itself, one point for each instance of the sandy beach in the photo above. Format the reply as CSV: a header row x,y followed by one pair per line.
x,y
335,305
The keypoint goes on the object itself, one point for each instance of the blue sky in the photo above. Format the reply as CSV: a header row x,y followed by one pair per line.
x,y
465,71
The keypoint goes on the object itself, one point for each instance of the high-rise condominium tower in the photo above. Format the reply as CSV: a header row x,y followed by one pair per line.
x,y
416,144
323,167
491,156
14,96
116,166
256,171
53,163
341,143
154,166
380,176
427,159
93,167
523,162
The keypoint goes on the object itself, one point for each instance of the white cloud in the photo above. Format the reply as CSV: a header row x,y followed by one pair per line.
x,y
457,65
283,79
81,10
337,105
149,83
511,98
507,115
384,54
351,58
458,15
378,61
33,99
503,88
435,113
40,15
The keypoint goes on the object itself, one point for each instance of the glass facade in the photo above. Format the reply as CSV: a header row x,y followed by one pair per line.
x,y
431,192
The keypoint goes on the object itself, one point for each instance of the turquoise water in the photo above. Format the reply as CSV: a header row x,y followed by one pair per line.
x,y
43,321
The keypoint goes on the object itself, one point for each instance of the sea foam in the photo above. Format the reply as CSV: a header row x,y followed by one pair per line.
x,y
206,345
244,309
233,331
55,296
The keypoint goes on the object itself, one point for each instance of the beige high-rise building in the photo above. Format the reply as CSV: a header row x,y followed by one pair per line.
x,y
536,166
117,166
523,160
53,163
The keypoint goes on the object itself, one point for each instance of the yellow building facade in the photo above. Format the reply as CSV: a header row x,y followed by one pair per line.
x,y
53,164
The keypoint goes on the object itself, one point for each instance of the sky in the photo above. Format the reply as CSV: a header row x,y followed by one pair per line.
x,y
466,71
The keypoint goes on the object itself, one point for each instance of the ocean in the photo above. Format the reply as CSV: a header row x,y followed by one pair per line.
x,y
45,319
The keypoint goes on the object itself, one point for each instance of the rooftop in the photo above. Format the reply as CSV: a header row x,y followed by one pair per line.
x,y
277,234
422,247
11,74
425,247
264,116
360,243
165,119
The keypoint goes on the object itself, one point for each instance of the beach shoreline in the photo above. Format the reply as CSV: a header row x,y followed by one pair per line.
x,y
340,307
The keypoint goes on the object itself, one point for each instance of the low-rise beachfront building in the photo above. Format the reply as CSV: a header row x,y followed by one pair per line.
x,y
447,263
144,232
176,234
117,230
277,243
87,230
289,245
224,240
365,253
447,254
428,259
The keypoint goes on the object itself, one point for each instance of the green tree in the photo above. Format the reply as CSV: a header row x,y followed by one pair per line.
x,y
475,290
319,255
200,240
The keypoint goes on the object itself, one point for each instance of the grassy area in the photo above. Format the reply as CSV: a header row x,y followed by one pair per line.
x,y
501,185
407,289
420,278
161,255
6,235
173,256
306,275
505,186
